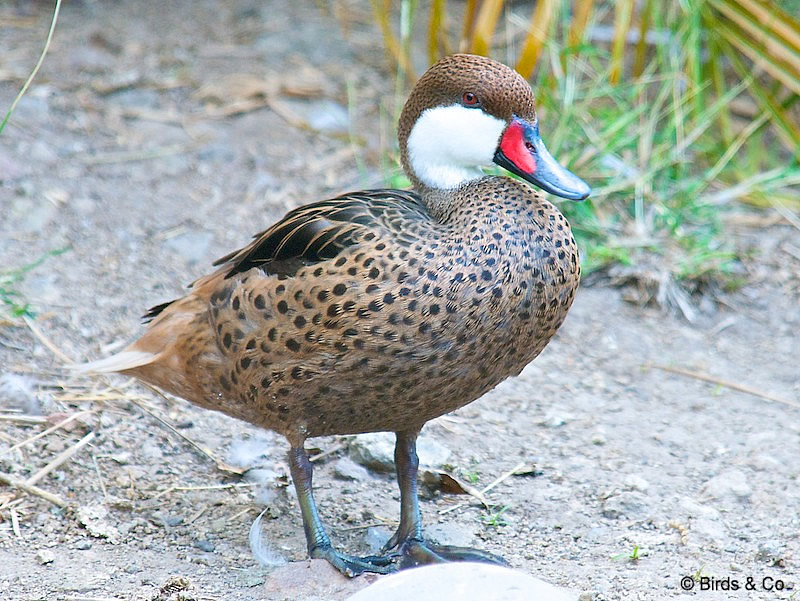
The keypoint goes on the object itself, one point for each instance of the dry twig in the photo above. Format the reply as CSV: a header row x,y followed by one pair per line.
x,y
501,478
60,459
44,433
33,490
720,382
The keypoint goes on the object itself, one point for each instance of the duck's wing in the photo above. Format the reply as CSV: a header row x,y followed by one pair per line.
x,y
319,232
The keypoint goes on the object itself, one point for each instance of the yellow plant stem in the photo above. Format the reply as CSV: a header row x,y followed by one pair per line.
x,y
537,36
485,25
622,22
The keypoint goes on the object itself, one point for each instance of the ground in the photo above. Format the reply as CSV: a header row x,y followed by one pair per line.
x,y
159,136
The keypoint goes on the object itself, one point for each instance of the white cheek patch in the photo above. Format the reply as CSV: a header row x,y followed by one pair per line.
x,y
448,143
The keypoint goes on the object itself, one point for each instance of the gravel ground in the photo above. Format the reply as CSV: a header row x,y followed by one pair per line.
x,y
157,139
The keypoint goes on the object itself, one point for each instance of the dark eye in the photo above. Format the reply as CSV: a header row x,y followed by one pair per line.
x,y
471,100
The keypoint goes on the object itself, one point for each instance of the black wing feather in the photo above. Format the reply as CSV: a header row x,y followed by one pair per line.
x,y
319,232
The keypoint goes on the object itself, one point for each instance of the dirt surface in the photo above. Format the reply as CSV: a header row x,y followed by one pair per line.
x,y
156,140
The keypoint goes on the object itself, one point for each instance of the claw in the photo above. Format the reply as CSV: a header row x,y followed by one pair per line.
x,y
352,566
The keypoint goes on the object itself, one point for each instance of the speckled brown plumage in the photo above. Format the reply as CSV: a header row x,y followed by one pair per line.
x,y
377,310
409,317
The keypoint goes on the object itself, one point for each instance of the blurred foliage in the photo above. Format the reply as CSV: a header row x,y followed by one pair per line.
x,y
12,303
671,111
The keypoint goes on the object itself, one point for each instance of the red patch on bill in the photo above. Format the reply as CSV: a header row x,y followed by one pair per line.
x,y
513,147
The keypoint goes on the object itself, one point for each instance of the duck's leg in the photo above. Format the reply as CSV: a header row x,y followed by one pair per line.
x,y
408,540
319,544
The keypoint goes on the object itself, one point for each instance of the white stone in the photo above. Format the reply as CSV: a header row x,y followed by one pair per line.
x,y
462,581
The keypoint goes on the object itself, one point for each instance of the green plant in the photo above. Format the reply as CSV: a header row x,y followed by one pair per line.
x,y
632,556
12,302
495,518
665,132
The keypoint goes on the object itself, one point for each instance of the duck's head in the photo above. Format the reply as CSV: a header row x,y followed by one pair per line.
x,y
469,111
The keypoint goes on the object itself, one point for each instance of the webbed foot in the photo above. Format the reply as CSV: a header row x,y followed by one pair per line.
x,y
351,566
414,552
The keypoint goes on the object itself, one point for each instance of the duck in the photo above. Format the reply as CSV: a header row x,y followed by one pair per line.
x,y
381,310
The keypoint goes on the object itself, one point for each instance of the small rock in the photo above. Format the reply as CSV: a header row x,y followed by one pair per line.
x,y
376,451
599,439
18,392
627,504
634,482
375,537
45,556
431,453
459,535
173,520
731,484
93,518
556,417
347,469
83,545
204,545
771,552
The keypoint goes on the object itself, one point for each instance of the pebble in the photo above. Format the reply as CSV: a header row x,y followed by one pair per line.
x,y
83,545
376,451
557,417
634,482
626,504
460,535
18,392
771,552
731,485
173,520
93,518
599,439
204,545
347,469
45,556
375,537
